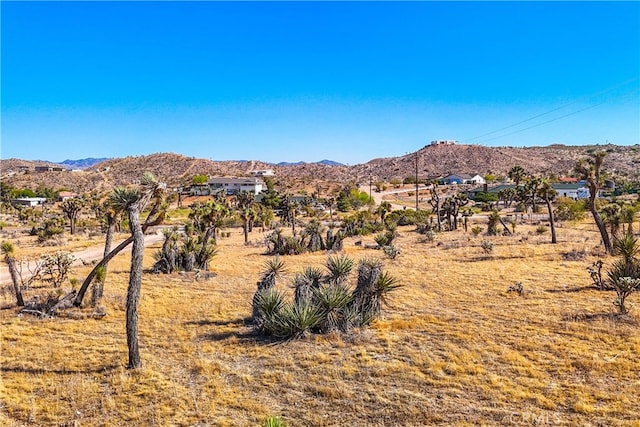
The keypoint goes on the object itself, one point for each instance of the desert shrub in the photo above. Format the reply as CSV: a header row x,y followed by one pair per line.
x,y
273,422
334,242
409,217
517,287
391,251
624,287
476,230
49,229
55,267
595,271
487,246
569,210
541,229
385,239
430,236
574,255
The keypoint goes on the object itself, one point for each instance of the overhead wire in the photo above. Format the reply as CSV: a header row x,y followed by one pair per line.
x,y
604,91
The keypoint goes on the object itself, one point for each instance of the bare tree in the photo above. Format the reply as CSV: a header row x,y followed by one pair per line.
x,y
589,170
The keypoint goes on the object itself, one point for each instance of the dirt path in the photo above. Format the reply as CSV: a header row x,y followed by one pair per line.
x,y
378,196
84,256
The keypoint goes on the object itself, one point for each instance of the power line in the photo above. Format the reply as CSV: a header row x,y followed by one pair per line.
x,y
609,89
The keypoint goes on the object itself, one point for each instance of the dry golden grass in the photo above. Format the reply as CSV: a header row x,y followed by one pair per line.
x,y
455,348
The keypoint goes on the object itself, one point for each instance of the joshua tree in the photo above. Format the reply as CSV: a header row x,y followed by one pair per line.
x,y
547,193
435,203
133,202
151,188
71,209
589,169
517,174
244,203
383,210
8,251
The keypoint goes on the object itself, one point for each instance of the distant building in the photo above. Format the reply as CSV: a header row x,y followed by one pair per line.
x,y
229,186
49,169
64,195
573,191
262,172
28,201
444,142
463,178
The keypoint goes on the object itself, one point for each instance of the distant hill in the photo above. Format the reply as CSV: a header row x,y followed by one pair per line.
x,y
433,161
321,162
330,163
82,163
285,164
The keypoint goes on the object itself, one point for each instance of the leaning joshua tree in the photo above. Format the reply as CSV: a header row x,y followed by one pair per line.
x,y
153,190
133,201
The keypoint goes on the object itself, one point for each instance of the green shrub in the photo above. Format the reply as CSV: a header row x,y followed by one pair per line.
x,y
487,246
569,210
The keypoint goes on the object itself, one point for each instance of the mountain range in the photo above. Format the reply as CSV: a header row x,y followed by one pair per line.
x,y
428,162
82,163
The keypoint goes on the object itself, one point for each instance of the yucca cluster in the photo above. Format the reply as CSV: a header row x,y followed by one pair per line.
x,y
323,300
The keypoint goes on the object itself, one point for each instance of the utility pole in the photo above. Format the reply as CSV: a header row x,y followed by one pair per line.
x,y
416,181
370,199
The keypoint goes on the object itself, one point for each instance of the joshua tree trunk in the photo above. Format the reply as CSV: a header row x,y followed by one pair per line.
x,y
11,262
552,221
135,280
606,240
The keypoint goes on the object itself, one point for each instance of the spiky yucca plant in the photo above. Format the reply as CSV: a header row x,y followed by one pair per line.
x,y
267,305
272,269
294,320
627,248
339,268
333,299
323,302
305,283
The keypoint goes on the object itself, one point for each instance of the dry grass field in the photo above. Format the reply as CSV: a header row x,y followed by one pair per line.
x,y
453,348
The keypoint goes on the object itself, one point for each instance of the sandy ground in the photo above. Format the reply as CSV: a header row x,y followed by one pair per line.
x,y
84,256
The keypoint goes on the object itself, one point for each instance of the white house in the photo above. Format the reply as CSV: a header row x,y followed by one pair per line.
x,y
235,185
572,191
463,178
262,172
28,201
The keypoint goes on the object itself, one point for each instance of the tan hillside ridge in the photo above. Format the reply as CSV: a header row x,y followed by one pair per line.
x,y
177,170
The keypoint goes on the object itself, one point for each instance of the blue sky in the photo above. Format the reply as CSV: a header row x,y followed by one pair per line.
x,y
313,80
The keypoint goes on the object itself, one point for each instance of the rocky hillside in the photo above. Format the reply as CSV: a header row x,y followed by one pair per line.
x,y
442,160
177,170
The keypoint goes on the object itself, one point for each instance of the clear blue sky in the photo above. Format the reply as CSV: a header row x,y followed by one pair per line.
x,y
310,81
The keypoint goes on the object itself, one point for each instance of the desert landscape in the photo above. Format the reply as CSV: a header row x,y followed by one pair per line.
x,y
482,320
